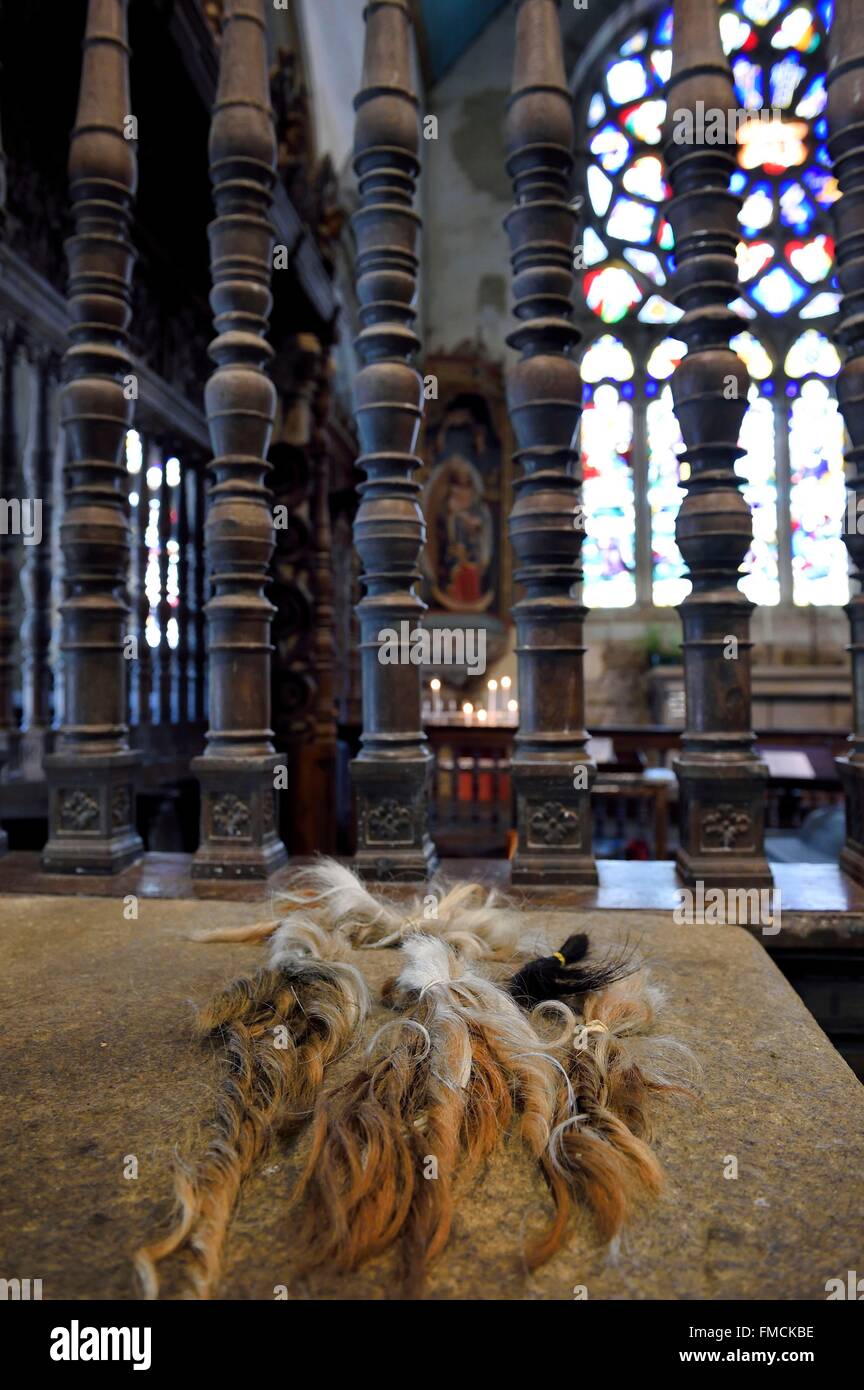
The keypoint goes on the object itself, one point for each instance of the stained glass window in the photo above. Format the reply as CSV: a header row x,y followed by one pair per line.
x,y
608,549
787,275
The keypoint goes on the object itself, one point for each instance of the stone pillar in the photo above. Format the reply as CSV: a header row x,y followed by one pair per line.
x,y
722,782
846,146
391,773
552,772
237,770
91,773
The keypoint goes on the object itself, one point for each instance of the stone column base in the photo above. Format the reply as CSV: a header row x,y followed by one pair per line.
x,y
554,823
393,841
239,835
91,813
722,819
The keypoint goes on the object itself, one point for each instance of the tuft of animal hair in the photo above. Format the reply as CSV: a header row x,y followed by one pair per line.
x,y
565,974
442,1083
599,1153
473,919
278,1030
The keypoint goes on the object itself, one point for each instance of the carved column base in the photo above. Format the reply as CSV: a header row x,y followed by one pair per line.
x,y
239,824
852,855
91,813
554,825
721,814
392,817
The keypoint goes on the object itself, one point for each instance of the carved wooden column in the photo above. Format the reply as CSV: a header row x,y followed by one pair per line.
x,y
237,770
391,772
91,774
846,145
722,782
552,772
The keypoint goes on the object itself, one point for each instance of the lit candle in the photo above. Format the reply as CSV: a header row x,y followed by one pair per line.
x,y
435,687
493,698
513,707
505,684
482,716
468,712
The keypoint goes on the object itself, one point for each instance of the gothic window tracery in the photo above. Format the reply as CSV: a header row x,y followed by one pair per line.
x,y
792,437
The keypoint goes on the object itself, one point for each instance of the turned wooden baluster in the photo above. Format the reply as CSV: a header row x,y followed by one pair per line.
x,y
91,773
845,83
722,782
237,771
552,771
391,773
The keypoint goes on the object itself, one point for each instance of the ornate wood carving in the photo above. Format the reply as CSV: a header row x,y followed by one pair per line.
x,y
722,782
394,764
552,772
237,771
845,83
93,761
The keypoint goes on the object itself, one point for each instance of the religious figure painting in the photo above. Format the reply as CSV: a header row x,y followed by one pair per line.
x,y
466,493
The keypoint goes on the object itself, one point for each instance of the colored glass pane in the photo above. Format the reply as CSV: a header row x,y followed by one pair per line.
x,y
752,258
753,355
817,498
611,292
627,81
820,306
606,358
760,573
813,259
777,291
665,495
757,211
644,121
645,178
812,353
599,189
596,110
665,358
797,31
656,309
647,262
611,148
630,221
785,79
608,547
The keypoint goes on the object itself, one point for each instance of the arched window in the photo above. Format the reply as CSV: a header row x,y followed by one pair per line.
x,y
792,437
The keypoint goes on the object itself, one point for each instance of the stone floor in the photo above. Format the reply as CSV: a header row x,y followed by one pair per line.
x,y
98,1066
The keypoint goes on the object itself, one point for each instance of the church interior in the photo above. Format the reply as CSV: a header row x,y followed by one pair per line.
x,y
432,649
